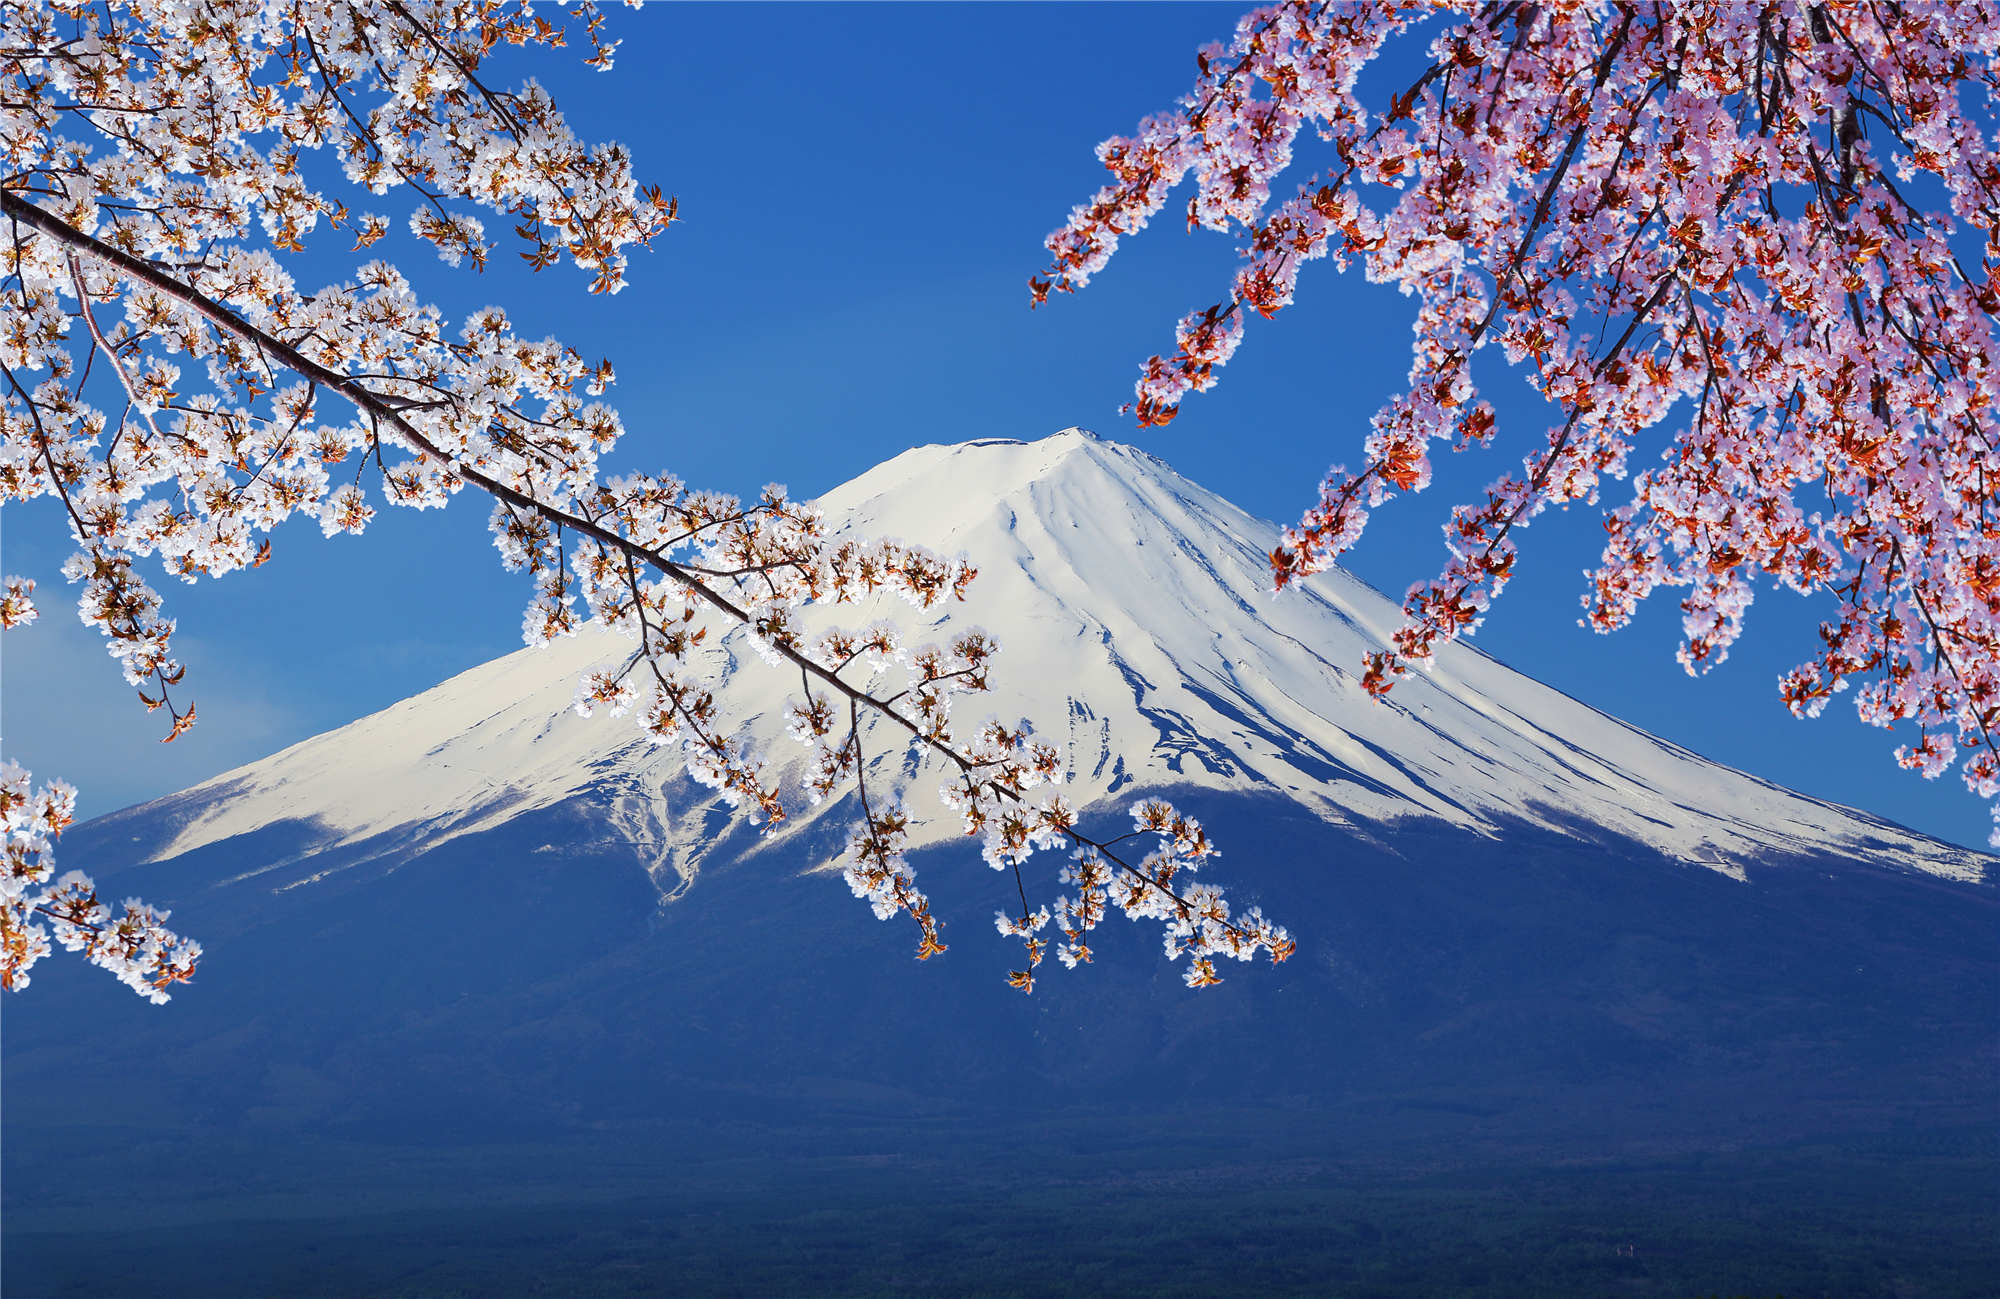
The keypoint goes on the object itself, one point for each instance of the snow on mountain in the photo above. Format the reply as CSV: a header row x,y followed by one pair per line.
x,y
1136,620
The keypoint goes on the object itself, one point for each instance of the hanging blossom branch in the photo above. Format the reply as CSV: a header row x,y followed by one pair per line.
x,y
199,478
1705,212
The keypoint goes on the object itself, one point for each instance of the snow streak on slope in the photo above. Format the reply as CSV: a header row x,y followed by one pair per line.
x,y
1134,610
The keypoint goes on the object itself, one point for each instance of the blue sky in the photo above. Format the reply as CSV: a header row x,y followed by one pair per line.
x,y
864,192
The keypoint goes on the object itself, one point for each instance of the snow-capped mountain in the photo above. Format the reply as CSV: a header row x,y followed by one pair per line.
x,y
1136,624
482,929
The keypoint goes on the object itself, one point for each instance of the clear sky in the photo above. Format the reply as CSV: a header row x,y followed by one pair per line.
x,y
864,192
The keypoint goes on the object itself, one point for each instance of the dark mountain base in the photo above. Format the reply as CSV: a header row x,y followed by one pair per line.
x,y
1910,1216
1491,1066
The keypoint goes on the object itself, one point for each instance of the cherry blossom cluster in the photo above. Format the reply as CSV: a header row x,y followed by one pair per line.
x,y
132,941
1195,918
172,387
1747,253
166,124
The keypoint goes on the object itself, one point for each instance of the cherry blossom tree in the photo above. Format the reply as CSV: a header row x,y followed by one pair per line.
x,y
1746,252
175,390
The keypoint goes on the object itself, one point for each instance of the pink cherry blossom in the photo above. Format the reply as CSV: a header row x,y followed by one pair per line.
x,y
1746,251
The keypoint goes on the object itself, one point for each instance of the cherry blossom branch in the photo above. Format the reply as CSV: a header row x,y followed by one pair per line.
x,y
1563,165
999,786
171,208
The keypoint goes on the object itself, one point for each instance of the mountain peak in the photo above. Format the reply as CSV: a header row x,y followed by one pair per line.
x,y
928,492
